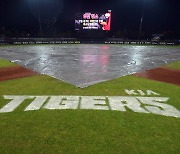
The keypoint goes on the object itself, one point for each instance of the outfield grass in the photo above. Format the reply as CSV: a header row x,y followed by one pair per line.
x,y
87,131
5,63
175,65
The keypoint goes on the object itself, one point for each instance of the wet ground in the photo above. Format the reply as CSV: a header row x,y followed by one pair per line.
x,y
161,74
84,65
14,72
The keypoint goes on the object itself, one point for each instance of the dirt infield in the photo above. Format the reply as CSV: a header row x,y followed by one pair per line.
x,y
162,74
15,72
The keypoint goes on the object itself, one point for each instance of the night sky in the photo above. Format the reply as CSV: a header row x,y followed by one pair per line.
x,y
159,15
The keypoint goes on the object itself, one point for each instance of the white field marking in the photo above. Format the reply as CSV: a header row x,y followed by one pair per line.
x,y
62,102
94,103
150,104
37,103
119,102
150,92
14,103
141,92
130,92
159,108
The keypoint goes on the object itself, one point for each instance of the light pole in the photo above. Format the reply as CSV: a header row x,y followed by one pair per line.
x,y
39,17
141,21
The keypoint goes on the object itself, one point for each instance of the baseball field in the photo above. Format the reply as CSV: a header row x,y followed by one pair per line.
x,y
44,112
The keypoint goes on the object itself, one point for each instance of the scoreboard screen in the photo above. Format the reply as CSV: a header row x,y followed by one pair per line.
x,y
93,21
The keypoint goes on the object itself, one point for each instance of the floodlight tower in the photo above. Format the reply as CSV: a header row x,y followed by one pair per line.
x,y
39,17
141,21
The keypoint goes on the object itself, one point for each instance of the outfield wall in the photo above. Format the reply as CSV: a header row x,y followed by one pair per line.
x,y
23,41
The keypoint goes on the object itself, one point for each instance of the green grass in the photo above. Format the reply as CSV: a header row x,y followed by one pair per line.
x,y
87,131
5,63
175,65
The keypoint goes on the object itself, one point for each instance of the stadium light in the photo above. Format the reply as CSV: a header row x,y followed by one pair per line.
x,y
39,17
141,21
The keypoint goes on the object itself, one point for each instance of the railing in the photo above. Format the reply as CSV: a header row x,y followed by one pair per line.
x,y
19,41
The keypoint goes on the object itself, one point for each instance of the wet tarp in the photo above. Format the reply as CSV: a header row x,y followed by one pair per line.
x,y
85,65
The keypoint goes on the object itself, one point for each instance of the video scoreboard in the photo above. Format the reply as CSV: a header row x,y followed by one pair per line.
x,y
93,21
